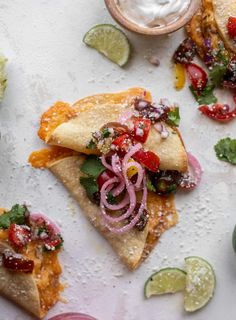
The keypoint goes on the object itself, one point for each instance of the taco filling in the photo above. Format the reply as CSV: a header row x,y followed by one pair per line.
x,y
29,246
128,159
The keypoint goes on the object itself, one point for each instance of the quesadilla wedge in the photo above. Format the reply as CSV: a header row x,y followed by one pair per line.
x,y
72,126
133,161
29,266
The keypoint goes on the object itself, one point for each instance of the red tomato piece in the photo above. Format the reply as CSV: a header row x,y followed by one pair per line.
x,y
141,129
218,112
17,263
53,243
149,159
231,26
19,235
197,76
103,177
123,142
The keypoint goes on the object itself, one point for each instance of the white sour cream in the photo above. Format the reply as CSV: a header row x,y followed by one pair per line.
x,y
153,13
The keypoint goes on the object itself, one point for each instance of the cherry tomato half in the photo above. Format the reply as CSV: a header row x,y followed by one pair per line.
x,y
141,129
103,177
149,159
123,142
19,236
231,26
197,76
218,112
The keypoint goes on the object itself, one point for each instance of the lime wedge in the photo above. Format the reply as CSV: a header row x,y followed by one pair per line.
x,y
234,239
110,41
169,280
200,283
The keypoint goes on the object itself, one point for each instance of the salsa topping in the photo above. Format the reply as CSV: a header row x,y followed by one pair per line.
x,y
125,171
185,52
24,227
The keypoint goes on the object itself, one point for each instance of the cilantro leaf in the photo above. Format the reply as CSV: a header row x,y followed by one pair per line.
x,y
16,215
206,96
90,185
150,185
92,166
226,150
106,133
174,117
91,145
110,198
217,74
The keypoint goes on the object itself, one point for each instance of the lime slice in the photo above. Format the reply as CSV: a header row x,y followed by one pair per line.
x,y
200,283
110,41
169,280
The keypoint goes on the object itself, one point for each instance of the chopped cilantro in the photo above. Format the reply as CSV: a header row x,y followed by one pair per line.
x,y
174,117
150,186
226,150
206,96
92,166
217,74
91,145
16,215
90,185
110,198
105,133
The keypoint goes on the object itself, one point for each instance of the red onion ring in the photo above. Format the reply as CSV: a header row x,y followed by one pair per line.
x,y
72,316
104,162
37,216
191,181
136,218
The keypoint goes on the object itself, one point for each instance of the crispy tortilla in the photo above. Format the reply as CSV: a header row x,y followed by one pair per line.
x,y
21,288
75,132
223,9
36,292
134,246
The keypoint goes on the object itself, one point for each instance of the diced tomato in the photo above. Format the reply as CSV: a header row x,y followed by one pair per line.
x,y
231,26
218,112
103,177
141,129
17,263
149,159
197,76
19,236
53,243
123,142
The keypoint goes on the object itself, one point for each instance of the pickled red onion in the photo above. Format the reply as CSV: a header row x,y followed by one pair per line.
x,y
120,170
134,221
190,181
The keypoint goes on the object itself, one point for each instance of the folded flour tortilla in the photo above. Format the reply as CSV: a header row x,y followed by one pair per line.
x,y
134,246
72,127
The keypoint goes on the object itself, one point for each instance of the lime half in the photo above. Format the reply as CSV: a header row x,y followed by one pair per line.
x,y
200,283
169,280
110,41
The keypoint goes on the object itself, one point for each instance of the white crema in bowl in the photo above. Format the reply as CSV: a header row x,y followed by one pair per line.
x,y
153,13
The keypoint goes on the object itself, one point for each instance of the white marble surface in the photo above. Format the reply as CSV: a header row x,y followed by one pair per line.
x,y
48,62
